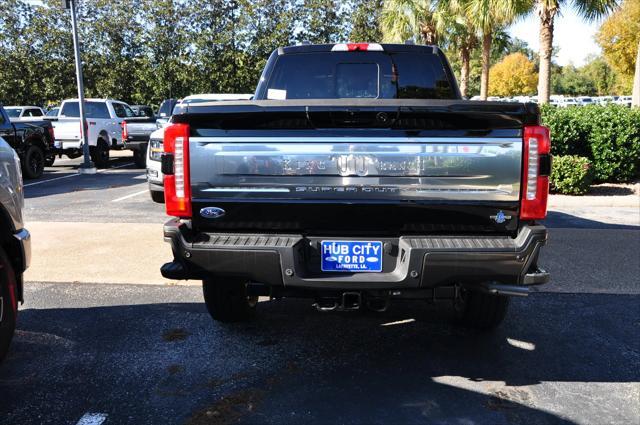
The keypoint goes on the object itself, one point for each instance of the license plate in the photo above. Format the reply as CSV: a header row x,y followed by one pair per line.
x,y
351,256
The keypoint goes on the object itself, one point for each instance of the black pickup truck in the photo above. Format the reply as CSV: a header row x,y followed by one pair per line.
x,y
357,176
33,140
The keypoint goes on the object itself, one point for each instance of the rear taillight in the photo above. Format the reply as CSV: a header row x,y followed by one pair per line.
x,y
125,132
357,47
177,185
52,136
535,173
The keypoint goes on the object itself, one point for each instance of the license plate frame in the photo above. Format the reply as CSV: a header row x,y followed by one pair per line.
x,y
344,256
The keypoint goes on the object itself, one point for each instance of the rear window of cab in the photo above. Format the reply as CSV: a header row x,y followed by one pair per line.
x,y
344,75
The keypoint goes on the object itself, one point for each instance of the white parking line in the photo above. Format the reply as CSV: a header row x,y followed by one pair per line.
x,y
92,419
399,322
50,180
75,175
131,195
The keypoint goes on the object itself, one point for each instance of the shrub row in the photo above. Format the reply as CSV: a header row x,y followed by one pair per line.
x,y
571,175
609,136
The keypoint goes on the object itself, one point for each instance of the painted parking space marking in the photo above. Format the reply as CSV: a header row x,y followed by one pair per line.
x,y
92,419
106,170
131,195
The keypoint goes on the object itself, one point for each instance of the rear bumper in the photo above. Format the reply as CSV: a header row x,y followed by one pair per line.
x,y
137,143
410,262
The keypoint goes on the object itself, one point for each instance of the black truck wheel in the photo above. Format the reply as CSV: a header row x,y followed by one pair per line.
x,y
139,158
227,300
8,309
481,311
33,165
100,154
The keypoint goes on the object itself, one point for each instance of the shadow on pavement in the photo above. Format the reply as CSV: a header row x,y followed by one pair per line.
x,y
170,363
115,176
557,219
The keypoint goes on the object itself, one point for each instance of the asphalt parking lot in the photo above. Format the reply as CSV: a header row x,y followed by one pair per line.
x,y
119,347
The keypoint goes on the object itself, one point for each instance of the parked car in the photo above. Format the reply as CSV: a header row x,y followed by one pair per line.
x,y
165,111
584,100
24,112
15,243
624,100
143,111
53,112
155,149
568,102
357,176
155,178
104,128
32,140
135,134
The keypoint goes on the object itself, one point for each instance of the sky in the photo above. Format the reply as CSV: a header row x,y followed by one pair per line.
x,y
574,37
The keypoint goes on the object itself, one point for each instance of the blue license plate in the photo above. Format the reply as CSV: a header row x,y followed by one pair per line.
x,y
351,256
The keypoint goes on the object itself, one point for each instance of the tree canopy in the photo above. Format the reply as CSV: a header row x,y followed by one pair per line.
x,y
514,75
619,37
143,51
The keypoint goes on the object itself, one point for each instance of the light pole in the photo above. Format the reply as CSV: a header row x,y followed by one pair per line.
x,y
87,166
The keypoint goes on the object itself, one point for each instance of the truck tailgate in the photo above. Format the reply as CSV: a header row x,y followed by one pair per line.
x,y
394,168
67,129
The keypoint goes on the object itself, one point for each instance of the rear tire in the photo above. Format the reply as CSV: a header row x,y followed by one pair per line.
x,y
481,311
8,310
157,196
227,300
100,154
33,165
139,158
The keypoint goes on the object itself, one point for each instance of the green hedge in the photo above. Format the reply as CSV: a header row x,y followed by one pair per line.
x,y
609,136
571,175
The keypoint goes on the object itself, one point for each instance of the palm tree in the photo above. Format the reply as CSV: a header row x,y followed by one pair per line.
x,y
486,17
431,22
547,10
403,20
462,38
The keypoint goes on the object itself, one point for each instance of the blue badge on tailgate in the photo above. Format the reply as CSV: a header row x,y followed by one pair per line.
x,y
351,256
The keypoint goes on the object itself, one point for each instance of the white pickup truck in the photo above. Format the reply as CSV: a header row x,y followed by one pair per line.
x,y
104,128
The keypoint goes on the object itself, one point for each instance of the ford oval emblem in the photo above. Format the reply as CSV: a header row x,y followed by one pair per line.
x,y
500,217
212,212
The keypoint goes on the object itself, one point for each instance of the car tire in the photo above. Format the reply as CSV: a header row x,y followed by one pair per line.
x,y
8,303
157,196
49,160
227,300
140,158
100,154
479,310
33,164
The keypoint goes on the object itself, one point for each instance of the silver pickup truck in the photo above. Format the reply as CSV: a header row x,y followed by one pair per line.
x,y
356,177
15,243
